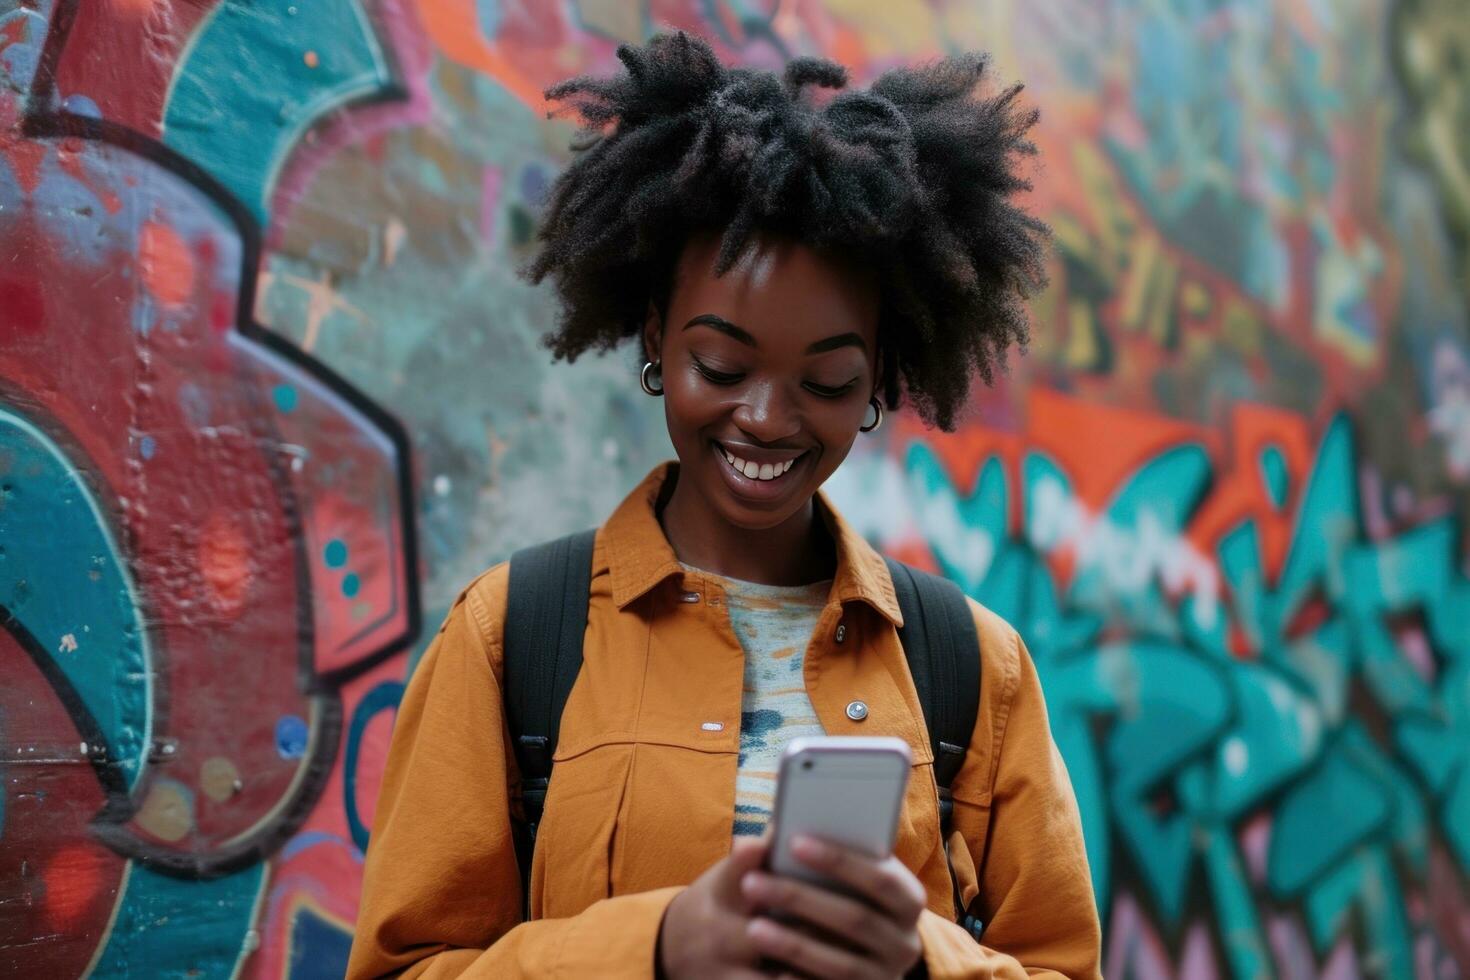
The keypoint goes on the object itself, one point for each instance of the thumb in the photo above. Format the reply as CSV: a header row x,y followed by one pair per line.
x,y
749,852
746,854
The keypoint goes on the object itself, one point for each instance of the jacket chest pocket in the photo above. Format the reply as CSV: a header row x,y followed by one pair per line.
x,y
571,866
624,817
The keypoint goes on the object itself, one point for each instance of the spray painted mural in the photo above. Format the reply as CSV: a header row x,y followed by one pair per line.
x,y
203,532
267,376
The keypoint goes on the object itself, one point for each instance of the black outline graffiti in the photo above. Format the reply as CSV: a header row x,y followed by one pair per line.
x,y
44,120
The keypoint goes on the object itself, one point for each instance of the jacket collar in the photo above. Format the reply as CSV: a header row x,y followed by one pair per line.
x,y
639,557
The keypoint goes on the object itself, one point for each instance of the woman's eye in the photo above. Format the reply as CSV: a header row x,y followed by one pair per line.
x,y
827,392
713,376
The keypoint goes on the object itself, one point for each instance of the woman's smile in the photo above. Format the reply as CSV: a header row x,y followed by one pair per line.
x,y
759,475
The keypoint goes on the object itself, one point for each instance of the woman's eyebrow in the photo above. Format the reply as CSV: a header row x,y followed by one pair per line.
x,y
723,326
839,340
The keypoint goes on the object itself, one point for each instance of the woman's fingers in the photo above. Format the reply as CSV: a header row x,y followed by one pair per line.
x,y
862,926
703,932
886,883
812,956
869,934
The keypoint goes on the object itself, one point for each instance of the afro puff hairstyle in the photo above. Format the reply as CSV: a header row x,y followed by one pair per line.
x,y
913,179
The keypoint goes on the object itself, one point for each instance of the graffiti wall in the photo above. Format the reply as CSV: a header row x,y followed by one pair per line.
x,y
270,393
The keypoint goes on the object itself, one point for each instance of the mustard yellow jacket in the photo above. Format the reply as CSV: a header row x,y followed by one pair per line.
x,y
643,792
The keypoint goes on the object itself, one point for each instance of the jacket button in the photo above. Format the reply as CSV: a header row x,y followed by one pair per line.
x,y
841,632
856,710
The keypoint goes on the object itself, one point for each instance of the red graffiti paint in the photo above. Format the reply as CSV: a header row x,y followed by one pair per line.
x,y
27,303
143,40
55,881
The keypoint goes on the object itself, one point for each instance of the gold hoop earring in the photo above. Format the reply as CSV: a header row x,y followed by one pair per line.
x,y
649,369
877,416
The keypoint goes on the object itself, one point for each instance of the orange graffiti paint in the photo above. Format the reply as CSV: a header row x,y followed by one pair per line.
x,y
454,26
1239,492
133,8
166,262
224,561
1099,445
74,877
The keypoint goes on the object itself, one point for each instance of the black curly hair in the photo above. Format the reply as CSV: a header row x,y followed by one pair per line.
x,y
914,179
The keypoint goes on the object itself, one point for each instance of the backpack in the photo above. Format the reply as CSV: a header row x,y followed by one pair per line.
x,y
546,618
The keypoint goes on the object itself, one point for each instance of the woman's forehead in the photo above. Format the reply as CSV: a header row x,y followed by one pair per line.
x,y
775,280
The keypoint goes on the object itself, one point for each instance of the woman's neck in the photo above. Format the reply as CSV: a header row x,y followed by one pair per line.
x,y
797,551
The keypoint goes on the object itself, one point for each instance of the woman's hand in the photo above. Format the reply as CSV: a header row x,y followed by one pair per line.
x,y
876,932
705,929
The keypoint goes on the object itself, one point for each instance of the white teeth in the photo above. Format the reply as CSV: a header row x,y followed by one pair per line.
x,y
757,471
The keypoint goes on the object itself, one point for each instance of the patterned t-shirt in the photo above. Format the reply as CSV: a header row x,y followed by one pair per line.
x,y
774,625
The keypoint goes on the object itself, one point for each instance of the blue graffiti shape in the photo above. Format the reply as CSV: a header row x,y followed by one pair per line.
x,y
383,697
278,65
86,637
1180,749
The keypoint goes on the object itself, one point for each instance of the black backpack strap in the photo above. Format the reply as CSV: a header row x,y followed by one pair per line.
x,y
942,647
545,621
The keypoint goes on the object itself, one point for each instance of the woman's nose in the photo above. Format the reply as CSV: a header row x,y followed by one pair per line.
x,y
766,414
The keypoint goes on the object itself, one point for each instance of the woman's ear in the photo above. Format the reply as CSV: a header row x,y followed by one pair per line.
x,y
653,334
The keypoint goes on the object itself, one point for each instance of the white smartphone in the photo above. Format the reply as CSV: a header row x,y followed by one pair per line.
x,y
840,788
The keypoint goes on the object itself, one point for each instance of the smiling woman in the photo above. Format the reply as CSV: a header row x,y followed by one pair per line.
x,y
792,267
770,365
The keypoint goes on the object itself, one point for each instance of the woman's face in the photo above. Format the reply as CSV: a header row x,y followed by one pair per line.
x,y
767,374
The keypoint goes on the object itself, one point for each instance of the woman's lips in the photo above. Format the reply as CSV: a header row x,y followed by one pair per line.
x,y
772,479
